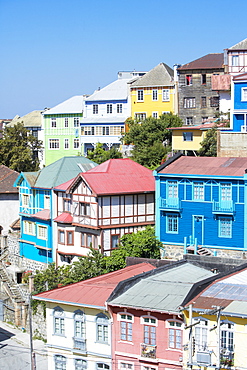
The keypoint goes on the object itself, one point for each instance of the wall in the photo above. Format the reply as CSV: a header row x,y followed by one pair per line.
x,y
226,144
9,211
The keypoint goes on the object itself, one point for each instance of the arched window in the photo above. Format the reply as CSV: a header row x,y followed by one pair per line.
x,y
60,362
80,364
58,314
102,322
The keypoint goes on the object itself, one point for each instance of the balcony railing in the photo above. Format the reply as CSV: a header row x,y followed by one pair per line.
x,y
226,358
224,207
170,204
80,344
148,350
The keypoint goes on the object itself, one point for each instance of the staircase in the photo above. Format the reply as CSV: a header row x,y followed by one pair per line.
x,y
204,252
10,286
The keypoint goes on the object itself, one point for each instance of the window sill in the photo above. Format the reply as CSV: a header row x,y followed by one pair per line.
x,y
125,342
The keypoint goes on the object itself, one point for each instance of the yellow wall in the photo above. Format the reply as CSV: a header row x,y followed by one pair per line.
x,y
148,105
178,142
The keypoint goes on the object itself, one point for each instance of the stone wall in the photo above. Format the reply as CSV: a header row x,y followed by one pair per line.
x,y
226,144
39,323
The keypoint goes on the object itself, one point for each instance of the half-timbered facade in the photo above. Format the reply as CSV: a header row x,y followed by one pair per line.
x,y
98,207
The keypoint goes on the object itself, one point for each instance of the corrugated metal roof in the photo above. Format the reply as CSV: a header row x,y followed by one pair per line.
x,y
237,308
119,176
32,119
31,177
7,179
242,45
64,218
95,291
43,215
70,106
117,90
161,75
204,126
208,166
163,291
209,61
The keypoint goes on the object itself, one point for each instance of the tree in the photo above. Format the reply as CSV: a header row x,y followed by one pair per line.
x,y
19,149
209,144
150,138
99,155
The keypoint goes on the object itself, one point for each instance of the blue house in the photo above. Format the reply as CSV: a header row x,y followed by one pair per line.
x,y
239,111
201,202
37,205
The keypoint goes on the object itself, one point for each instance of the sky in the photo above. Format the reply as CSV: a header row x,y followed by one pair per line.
x,y
51,50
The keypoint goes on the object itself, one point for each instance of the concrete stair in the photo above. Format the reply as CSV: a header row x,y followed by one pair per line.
x,y
204,252
9,285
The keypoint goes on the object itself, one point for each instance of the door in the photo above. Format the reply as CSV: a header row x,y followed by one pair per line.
x,y
198,229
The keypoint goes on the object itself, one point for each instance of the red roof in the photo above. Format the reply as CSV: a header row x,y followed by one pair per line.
x,y
43,215
64,218
65,185
93,292
204,126
7,179
119,176
211,166
209,61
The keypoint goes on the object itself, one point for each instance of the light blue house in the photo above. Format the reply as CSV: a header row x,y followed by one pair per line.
x,y
201,203
38,208
239,101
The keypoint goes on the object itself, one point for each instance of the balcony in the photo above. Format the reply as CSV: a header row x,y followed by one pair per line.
x,y
148,350
170,204
80,344
226,358
224,207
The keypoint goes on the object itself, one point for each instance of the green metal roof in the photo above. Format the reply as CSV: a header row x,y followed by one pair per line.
x,y
63,170
164,290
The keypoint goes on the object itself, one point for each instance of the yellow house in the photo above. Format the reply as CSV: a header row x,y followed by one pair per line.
x,y
215,334
153,94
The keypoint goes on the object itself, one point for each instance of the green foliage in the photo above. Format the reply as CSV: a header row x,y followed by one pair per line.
x,y
19,149
148,138
99,155
209,144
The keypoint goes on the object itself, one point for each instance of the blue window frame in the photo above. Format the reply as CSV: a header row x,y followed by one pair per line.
x,y
188,136
225,227
172,223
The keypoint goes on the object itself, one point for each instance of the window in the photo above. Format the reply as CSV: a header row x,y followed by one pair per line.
x,y
150,324
198,191
126,327
175,334
70,237
87,240
148,368
188,80
66,122
119,108
84,209
46,202
155,114
105,130
87,130
102,366
172,187
235,60
172,224
189,121
76,143
226,192
214,101
165,95
244,94
95,109
227,336
25,200
140,116
79,324
189,103
126,366
204,79
155,94
109,108
66,143
60,362
188,136
201,333
53,122
102,328
140,95
53,143
66,205
204,119
58,314
80,364
114,241
225,227
35,133
61,236
42,232
29,228
76,122
203,101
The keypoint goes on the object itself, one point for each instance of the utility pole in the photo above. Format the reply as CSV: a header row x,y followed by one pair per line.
x,y
32,354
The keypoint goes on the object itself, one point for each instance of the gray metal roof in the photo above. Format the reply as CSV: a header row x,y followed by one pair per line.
x,y
117,90
242,45
236,308
164,290
161,75
32,119
69,106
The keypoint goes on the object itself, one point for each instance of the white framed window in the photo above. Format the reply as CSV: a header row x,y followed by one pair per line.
x,y
189,103
244,94
225,192
66,205
148,367
165,95
201,333
198,191
80,364
149,329
172,189
126,321
188,136
53,122
66,143
76,143
109,108
225,227
155,94
53,143
235,60
114,241
125,365
102,323
42,232
88,130
66,122
95,108
29,228
172,223
189,120
227,336
140,95
58,315
102,366
79,324
140,116
76,122
84,209
61,236
105,130
60,362
155,114
46,201
120,108
25,200
175,334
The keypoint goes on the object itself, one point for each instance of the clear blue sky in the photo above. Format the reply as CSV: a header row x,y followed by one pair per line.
x,y
54,49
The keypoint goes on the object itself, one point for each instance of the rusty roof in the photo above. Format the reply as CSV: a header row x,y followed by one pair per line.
x,y
209,61
7,179
44,214
208,166
64,218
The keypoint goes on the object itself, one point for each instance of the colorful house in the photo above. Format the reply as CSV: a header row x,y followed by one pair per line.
x,y
101,205
216,320
201,203
153,94
147,325
37,205
79,327
235,58
61,126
